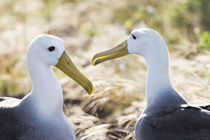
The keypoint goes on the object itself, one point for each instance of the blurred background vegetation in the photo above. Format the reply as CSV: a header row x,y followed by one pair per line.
x,y
88,27
180,22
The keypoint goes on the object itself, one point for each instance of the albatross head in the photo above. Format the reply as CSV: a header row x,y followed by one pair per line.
x,y
145,42
149,44
49,51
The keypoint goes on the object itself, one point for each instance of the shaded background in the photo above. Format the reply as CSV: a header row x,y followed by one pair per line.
x,y
90,26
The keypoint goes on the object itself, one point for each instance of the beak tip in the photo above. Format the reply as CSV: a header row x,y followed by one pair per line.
x,y
91,91
89,88
93,61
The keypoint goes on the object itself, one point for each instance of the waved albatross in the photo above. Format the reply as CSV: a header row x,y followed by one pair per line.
x,y
167,116
39,115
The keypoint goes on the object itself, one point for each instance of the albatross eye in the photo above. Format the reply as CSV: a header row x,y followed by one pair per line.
x,y
51,48
134,37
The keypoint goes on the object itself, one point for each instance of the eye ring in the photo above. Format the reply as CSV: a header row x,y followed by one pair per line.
x,y
51,48
133,36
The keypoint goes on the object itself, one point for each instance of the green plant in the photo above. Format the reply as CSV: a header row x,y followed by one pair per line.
x,y
204,40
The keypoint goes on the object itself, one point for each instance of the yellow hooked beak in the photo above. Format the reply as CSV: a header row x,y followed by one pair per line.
x,y
66,65
118,51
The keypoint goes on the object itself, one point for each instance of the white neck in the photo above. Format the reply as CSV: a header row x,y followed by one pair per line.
x,y
46,97
158,79
158,86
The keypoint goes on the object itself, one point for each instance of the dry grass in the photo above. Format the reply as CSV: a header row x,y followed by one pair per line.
x,y
86,28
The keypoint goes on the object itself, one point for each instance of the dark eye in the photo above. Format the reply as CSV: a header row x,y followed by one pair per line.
x,y
134,37
51,48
